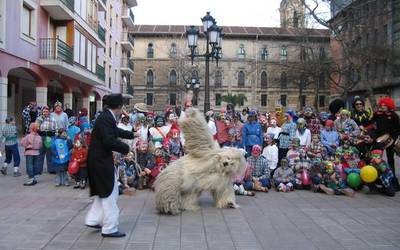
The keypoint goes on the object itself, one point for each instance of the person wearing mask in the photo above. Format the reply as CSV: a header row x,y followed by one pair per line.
x,y
103,176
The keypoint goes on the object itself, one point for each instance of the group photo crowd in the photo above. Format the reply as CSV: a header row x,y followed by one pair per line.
x,y
336,152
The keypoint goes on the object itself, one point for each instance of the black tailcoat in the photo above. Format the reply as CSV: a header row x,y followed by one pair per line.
x,y
100,164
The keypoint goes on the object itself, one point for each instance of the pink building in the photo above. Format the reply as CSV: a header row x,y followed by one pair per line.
x,y
68,50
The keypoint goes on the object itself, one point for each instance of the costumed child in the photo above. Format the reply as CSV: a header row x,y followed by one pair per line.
x,y
284,177
313,123
174,143
330,137
302,168
293,153
79,154
73,129
259,180
385,181
316,149
332,181
270,153
60,155
32,143
146,161
159,132
128,176
347,159
162,159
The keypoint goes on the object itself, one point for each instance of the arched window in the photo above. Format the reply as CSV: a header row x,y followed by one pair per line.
x,y
172,77
264,80
241,51
241,79
150,78
283,80
264,54
173,51
218,79
150,51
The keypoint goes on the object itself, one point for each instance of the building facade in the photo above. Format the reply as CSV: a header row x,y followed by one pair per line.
x,y
73,51
292,14
255,62
368,27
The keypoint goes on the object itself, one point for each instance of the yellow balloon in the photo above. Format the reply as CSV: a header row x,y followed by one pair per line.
x,y
368,174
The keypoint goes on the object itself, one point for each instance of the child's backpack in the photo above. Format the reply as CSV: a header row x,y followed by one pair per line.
x,y
61,151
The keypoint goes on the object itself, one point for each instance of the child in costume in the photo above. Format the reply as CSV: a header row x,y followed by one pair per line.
x,y
385,175
293,153
270,153
347,158
302,170
284,177
32,143
128,177
60,155
146,161
174,143
330,137
260,174
79,154
162,159
316,149
332,181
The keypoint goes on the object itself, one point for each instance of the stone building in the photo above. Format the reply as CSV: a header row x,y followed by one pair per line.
x,y
370,30
292,13
254,63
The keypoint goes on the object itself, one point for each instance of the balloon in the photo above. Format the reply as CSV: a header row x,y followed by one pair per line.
x,y
368,174
47,142
353,180
305,178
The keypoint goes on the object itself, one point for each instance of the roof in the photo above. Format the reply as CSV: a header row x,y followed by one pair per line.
x,y
231,31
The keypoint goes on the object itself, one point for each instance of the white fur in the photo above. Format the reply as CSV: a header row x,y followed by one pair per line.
x,y
206,167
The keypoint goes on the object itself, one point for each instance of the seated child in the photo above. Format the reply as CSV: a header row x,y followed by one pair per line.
x,y
79,154
284,177
330,137
60,155
302,170
146,161
293,153
332,181
175,144
270,153
385,175
127,175
260,174
316,149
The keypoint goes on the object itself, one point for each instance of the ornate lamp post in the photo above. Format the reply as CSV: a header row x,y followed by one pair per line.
x,y
213,49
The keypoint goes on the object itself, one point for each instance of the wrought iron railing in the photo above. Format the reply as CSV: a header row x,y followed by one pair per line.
x,y
126,36
102,33
54,48
100,72
127,63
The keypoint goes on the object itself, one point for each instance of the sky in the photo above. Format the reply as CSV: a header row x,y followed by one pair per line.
x,y
261,13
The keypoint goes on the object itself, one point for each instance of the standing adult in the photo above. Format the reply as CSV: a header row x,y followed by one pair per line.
x,y
363,119
388,122
29,114
47,130
10,137
252,133
286,135
103,176
60,116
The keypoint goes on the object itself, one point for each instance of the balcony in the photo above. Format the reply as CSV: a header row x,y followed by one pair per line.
x,y
127,41
102,33
57,56
127,65
102,5
127,17
59,9
100,72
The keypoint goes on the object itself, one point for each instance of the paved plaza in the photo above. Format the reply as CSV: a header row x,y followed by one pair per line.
x,y
49,217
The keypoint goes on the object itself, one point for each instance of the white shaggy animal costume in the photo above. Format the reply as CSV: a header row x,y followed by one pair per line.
x,y
205,167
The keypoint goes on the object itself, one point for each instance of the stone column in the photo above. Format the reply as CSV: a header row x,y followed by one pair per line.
x,y
3,99
68,99
86,102
99,105
41,96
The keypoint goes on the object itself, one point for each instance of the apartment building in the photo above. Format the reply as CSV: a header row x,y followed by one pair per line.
x,y
73,51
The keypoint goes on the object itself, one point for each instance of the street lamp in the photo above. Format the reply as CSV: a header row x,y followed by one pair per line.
x,y
214,38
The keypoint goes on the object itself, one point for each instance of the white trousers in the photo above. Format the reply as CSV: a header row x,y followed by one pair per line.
x,y
105,211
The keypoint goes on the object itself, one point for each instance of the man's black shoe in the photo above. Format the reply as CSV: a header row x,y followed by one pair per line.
x,y
117,234
94,226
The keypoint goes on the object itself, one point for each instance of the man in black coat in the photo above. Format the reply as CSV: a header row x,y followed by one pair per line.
x,y
103,176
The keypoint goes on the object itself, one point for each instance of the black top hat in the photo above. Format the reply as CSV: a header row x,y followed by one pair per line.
x,y
114,100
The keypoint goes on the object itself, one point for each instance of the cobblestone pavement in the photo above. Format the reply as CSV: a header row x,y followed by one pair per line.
x,y
49,217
